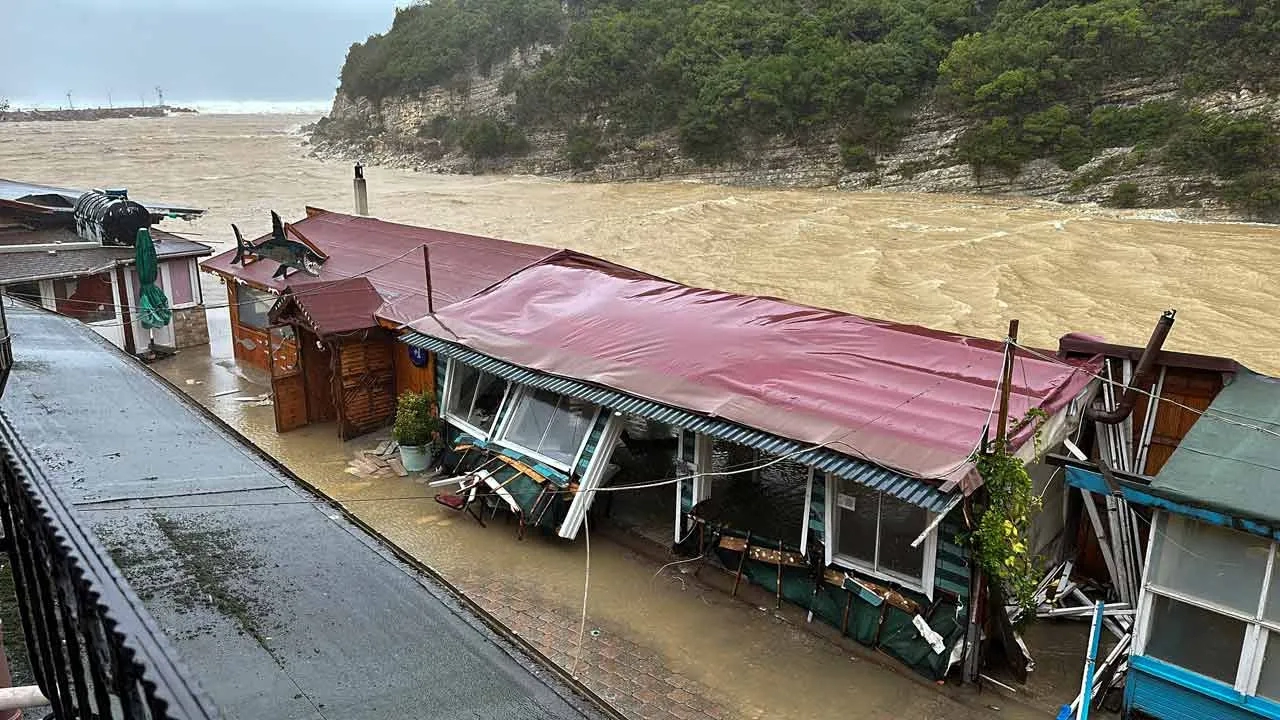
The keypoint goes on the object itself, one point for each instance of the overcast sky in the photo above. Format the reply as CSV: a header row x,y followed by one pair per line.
x,y
197,50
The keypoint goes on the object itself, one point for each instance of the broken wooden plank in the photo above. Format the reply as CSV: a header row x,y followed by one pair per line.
x,y
397,467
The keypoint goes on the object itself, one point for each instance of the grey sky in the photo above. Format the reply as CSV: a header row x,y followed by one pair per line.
x,y
195,49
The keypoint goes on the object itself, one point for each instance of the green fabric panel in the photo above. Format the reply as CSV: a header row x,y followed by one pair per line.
x,y
593,440
898,636
440,363
951,570
1228,467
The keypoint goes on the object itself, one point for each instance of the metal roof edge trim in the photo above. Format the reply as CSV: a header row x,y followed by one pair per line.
x,y
908,489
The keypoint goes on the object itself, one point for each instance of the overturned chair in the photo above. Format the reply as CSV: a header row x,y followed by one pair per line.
x,y
495,477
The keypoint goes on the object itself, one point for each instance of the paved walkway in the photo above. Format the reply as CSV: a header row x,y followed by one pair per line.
x,y
657,645
280,607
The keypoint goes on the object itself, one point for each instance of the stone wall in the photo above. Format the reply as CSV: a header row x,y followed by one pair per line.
x,y
190,327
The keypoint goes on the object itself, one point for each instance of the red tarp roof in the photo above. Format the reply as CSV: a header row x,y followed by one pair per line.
x,y
329,307
390,256
904,397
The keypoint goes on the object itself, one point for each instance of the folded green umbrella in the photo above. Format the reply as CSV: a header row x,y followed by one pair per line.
x,y
153,306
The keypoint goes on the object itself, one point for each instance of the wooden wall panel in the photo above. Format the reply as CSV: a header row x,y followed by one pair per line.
x,y
249,345
410,377
1191,387
366,384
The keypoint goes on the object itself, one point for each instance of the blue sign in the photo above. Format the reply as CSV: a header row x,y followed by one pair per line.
x,y
418,356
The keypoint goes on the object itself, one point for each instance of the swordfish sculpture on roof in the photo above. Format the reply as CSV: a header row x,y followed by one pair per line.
x,y
290,254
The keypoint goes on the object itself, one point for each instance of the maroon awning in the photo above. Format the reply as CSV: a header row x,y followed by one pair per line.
x,y
389,255
905,397
329,307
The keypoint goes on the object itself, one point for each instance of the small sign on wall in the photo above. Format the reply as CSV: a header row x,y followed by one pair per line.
x,y
847,502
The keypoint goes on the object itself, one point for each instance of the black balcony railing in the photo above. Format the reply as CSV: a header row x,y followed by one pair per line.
x,y
94,650
6,349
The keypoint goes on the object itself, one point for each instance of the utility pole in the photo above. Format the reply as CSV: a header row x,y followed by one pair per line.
x,y
1006,382
160,95
109,105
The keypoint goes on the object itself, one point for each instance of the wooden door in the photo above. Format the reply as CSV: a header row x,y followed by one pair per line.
x,y
317,367
366,385
288,384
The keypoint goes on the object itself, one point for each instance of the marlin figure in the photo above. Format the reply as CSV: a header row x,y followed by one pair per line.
x,y
278,247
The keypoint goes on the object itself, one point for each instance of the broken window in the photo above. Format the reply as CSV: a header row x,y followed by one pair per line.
x,y
874,532
549,426
473,397
1208,610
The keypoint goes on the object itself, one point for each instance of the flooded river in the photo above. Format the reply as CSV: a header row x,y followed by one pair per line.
x,y
962,263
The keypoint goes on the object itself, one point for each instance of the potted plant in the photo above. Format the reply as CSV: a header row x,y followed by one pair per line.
x,y
415,429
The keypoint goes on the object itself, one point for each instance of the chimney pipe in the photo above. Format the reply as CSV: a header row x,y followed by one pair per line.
x,y
1141,377
362,192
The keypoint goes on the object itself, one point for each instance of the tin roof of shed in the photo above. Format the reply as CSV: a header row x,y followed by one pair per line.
x,y
390,256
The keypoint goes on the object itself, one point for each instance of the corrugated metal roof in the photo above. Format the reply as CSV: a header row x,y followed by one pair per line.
x,y
330,308
1230,459
18,265
915,491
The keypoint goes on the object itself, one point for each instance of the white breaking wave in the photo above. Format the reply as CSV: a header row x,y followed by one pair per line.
x,y
256,107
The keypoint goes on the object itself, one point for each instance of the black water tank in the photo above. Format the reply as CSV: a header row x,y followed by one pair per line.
x,y
110,217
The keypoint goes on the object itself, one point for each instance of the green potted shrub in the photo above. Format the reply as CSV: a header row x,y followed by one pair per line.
x,y
416,428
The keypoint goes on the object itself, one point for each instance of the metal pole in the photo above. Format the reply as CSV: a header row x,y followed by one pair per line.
x,y
1006,381
426,263
362,191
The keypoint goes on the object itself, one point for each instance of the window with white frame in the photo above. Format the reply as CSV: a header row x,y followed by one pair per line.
x,y
546,425
1212,604
872,531
473,398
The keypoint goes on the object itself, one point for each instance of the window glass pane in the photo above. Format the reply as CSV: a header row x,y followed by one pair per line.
x,y
900,523
1269,681
856,509
1209,562
180,279
488,393
548,424
1198,640
462,390
570,428
1272,609
252,306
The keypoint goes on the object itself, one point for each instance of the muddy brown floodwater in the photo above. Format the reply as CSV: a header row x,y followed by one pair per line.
x,y
962,263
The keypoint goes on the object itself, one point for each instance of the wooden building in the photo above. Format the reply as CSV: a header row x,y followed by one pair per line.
x,y
329,358
47,259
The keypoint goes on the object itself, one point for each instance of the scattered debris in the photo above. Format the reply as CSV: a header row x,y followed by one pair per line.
x,y
397,467
225,393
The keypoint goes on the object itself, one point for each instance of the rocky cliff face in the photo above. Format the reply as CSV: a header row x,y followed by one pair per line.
x,y
392,133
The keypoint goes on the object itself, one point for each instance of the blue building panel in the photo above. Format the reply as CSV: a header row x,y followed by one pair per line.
x,y
1168,692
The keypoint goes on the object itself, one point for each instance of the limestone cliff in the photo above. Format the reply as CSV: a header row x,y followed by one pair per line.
x,y
396,132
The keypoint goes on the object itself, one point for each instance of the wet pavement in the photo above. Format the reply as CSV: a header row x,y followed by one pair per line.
x,y
649,632
280,607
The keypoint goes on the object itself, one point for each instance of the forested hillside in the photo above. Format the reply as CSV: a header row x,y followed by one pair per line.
x,y
1027,77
